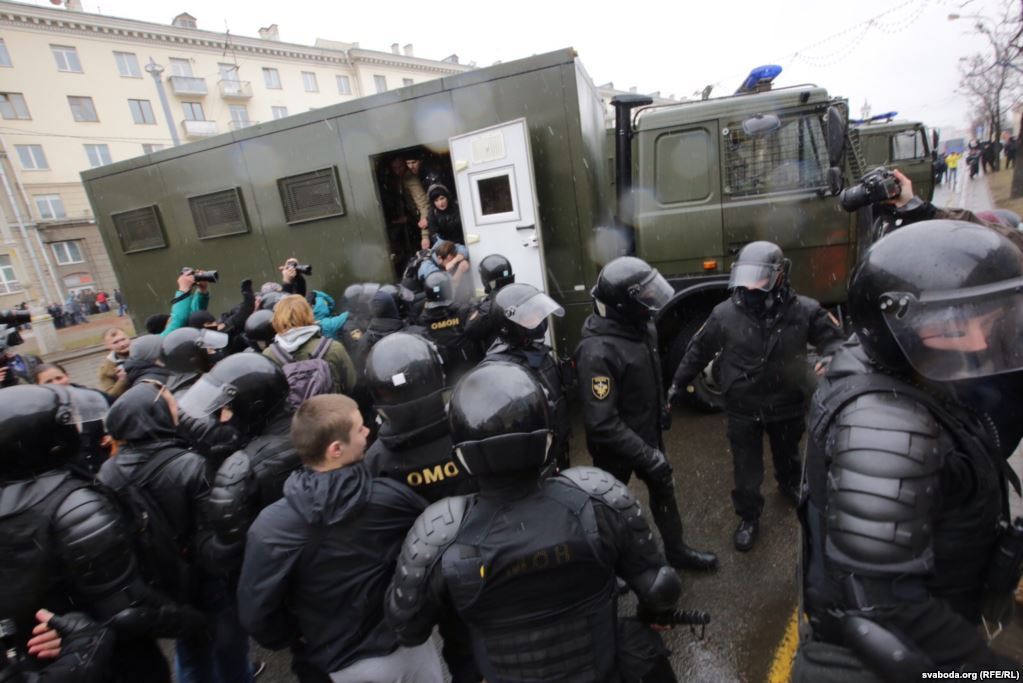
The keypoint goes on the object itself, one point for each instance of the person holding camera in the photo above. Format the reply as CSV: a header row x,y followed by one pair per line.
x,y
193,295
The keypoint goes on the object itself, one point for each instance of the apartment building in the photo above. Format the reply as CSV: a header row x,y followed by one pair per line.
x,y
80,90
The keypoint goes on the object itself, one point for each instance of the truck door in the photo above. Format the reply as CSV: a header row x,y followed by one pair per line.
x,y
910,154
497,199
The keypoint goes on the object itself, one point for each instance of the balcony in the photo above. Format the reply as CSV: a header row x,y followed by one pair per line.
x,y
238,125
188,85
199,129
235,90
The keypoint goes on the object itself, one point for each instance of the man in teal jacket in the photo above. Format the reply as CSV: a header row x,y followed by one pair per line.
x,y
191,296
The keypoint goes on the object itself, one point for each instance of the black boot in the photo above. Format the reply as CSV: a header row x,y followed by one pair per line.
x,y
690,558
746,534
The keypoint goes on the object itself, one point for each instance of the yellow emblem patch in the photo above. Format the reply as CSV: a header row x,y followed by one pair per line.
x,y
601,387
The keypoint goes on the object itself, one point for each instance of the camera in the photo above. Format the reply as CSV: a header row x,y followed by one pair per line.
x,y
202,275
876,186
14,316
301,268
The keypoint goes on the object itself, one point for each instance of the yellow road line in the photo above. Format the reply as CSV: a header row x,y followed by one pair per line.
x,y
785,653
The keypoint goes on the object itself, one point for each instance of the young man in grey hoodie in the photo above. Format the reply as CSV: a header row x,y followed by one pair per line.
x,y
318,561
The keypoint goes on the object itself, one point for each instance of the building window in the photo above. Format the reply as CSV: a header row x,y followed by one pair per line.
x,y
127,64
272,78
381,83
67,253
32,157
406,81
12,106
239,113
279,112
193,111
67,58
8,281
344,86
141,111
150,147
5,56
82,108
50,206
309,82
99,155
228,72
180,67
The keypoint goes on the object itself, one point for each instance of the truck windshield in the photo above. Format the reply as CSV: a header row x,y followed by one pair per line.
x,y
794,157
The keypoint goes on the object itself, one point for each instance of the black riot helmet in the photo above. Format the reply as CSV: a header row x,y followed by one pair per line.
x,y
495,272
391,301
39,426
630,288
406,380
250,384
941,299
760,265
499,421
269,300
357,298
187,349
439,289
259,327
520,313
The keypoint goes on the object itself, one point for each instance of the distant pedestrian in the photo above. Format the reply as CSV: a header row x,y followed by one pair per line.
x,y
119,298
1011,146
952,162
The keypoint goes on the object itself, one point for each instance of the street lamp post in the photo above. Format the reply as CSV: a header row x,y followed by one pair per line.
x,y
155,70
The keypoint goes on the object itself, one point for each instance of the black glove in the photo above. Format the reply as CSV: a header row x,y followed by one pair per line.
x,y
85,649
654,468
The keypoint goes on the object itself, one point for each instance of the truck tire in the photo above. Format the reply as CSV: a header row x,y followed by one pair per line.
x,y
706,395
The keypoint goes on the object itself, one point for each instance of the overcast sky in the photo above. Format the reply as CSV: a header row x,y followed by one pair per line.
x,y
906,60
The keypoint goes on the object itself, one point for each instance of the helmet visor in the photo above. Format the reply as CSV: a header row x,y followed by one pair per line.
x,y
204,398
86,405
533,311
965,334
762,276
653,293
211,339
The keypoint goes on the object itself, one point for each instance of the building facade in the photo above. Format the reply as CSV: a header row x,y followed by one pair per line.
x,y
80,90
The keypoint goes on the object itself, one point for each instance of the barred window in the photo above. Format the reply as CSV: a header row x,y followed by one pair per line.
x,y
139,229
794,157
310,196
219,213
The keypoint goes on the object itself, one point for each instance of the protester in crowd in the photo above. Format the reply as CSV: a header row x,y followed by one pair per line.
x,y
191,296
299,338
112,378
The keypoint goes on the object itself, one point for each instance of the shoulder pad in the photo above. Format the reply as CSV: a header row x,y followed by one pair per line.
x,y
92,539
234,493
883,484
602,486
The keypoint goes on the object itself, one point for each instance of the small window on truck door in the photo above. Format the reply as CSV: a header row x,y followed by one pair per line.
x,y
794,157
908,145
683,166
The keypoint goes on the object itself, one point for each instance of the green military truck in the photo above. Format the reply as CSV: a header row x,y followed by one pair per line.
x,y
884,140
538,178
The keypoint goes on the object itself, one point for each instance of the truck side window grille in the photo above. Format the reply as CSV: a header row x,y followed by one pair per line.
x,y
310,196
219,213
139,229
791,158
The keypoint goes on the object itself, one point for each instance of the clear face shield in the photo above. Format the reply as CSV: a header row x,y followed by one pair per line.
x,y
958,335
752,276
532,312
79,406
653,293
204,398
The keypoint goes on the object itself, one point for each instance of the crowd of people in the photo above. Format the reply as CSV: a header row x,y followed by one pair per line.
x,y
343,476
79,305
978,155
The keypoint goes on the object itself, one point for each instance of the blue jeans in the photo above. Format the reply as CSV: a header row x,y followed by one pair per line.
x,y
222,660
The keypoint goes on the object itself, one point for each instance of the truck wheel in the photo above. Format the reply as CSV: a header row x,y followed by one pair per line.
x,y
706,394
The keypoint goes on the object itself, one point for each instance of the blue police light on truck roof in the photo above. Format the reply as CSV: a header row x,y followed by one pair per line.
x,y
759,79
886,117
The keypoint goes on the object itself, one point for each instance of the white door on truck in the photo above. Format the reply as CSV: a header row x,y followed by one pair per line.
x,y
497,200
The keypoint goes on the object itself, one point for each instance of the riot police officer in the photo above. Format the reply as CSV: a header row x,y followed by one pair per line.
x,y
259,330
495,272
389,312
759,336
357,298
520,313
905,481
544,576
620,387
442,323
188,352
64,543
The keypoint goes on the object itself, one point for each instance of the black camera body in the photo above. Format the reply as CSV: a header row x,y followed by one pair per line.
x,y
876,186
15,316
202,275
304,268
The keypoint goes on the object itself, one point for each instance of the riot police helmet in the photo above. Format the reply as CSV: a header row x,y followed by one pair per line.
x,y
520,312
941,299
630,288
391,301
406,380
270,299
500,421
495,272
187,349
40,425
250,384
439,289
259,327
760,266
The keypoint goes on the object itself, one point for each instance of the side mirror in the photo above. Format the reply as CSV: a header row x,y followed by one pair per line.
x,y
836,125
935,137
761,124
836,181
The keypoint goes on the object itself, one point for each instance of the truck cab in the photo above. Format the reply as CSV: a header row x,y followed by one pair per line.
x,y
884,141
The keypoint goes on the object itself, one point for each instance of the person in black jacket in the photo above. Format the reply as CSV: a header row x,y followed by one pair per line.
x,y
443,321
444,221
620,388
389,311
317,562
761,333
495,272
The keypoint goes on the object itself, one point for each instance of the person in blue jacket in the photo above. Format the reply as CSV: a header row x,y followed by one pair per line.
x,y
191,296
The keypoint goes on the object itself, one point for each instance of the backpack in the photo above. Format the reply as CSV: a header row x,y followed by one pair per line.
x,y
306,378
163,558
410,276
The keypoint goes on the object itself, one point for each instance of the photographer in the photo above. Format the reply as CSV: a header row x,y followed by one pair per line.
x,y
292,276
192,295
